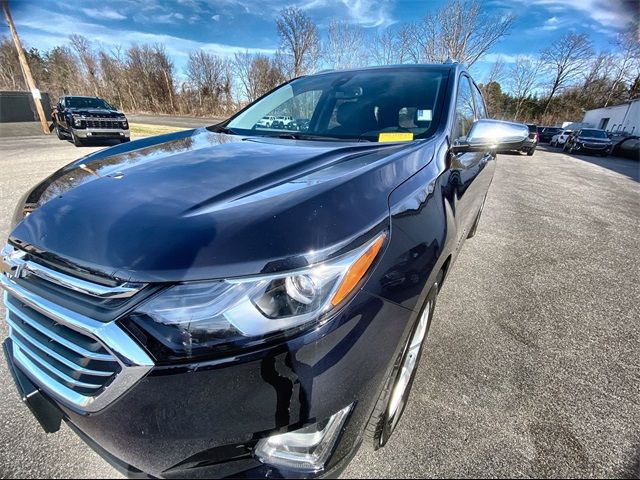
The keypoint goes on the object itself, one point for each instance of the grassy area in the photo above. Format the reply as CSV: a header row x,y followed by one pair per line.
x,y
144,130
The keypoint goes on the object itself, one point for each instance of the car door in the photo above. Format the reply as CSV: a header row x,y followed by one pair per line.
x,y
487,164
63,114
57,113
466,166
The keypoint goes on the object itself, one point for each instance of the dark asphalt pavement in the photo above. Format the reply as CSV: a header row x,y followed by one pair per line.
x,y
532,364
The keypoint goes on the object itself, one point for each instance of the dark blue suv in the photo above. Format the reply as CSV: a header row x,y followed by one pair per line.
x,y
243,300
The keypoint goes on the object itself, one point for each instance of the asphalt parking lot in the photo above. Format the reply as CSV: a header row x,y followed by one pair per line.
x,y
532,365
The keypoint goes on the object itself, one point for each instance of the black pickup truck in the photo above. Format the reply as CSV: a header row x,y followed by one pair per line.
x,y
85,118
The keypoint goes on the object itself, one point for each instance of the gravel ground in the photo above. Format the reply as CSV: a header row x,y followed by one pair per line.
x,y
532,365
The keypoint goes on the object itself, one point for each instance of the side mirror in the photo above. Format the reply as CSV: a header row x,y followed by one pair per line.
x,y
493,135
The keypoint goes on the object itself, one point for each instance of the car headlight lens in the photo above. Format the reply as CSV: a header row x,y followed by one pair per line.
x,y
77,120
193,319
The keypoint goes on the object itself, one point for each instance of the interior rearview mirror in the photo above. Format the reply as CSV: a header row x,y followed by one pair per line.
x,y
493,134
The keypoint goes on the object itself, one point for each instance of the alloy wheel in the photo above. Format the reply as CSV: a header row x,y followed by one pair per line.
x,y
402,386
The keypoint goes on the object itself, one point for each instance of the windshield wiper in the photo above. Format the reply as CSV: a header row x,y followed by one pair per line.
x,y
225,130
303,136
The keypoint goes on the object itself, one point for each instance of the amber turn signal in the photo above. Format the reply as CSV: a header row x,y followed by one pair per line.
x,y
358,270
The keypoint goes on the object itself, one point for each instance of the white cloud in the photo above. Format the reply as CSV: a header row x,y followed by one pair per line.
x,y
103,13
366,13
505,57
43,30
215,18
612,14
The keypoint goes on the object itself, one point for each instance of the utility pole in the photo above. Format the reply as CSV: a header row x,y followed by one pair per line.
x,y
26,71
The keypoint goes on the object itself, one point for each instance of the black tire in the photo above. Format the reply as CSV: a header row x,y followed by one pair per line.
x,y
381,426
604,155
554,144
125,140
531,151
59,134
76,141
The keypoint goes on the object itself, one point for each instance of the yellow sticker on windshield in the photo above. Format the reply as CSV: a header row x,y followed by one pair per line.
x,y
395,137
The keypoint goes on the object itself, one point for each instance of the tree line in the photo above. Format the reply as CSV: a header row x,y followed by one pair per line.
x,y
557,84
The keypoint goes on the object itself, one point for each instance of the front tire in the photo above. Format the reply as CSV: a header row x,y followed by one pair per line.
x,y
531,151
395,394
59,133
76,141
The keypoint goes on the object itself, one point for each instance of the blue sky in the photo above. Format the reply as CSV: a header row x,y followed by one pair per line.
x,y
227,26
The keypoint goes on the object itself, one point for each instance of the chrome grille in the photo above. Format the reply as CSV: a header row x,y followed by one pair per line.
x,y
75,359
84,363
102,123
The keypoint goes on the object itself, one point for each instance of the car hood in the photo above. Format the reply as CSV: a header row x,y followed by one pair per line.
x,y
95,111
198,205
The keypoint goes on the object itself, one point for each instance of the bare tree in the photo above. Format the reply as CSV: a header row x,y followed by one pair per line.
x,y
383,48
63,75
628,65
150,76
459,30
523,79
566,59
87,57
300,41
209,75
10,72
257,74
497,72
345,45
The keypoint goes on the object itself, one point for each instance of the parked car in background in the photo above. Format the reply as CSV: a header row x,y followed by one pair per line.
x,y
532,142
628,147
619,136
235,310
266,121
299,125
588,140
81,119
561,137
286,120
546,133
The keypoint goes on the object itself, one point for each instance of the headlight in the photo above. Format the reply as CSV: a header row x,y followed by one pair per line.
x,y
77,120
193,319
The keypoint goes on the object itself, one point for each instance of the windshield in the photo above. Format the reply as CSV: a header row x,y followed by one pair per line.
x,y
594,133
87,102
350,105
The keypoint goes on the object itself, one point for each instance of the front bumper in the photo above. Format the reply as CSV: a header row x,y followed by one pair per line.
x,y
89,133
204,419
591,148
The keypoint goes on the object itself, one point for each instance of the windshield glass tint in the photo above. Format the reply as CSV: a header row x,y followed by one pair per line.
x,y
593,133
81,102
350,105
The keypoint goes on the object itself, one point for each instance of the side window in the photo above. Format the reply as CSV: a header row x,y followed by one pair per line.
x,y
465,114
481,110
